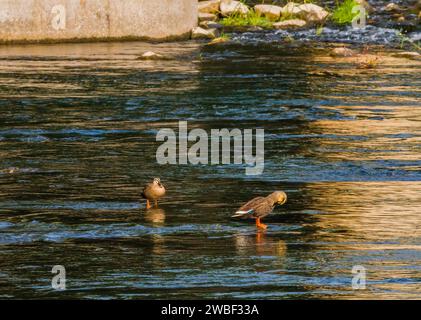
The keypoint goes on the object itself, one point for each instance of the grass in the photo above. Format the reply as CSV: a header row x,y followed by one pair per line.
x,y
252,18
404,39
343,12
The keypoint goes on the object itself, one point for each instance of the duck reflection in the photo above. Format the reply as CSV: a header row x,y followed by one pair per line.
x,y
155,216
259,244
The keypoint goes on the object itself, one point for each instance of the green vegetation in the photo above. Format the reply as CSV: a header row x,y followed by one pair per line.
x,y
343,12
404,39
243,20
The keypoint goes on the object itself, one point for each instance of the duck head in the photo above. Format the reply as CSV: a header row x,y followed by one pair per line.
x,y
279,197
157,181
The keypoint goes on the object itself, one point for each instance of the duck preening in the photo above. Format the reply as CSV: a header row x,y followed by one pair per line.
x,y
153,192
260,207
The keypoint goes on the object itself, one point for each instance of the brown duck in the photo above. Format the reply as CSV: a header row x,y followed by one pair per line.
x,y
260,207
152,192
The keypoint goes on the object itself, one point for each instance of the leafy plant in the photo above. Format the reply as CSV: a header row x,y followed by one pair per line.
x,y
252,18
343,14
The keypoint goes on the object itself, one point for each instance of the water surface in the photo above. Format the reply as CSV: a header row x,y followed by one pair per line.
x,y
77,142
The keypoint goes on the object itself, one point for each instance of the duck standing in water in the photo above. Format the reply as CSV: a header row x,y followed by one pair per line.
x,y
260,207
152,192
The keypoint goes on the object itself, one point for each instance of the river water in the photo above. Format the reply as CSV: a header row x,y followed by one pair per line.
x,y
77,139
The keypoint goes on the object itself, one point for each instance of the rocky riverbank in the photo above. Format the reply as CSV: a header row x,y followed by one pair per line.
x,y
395,24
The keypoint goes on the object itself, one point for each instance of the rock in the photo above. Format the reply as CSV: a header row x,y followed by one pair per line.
x,y
401,19
312,13
219,40
210,25
291,9
229,7
269,11
150,55
200,33
408,54
254,28
210,6
207,17
342,52
290,24
392,7
365,5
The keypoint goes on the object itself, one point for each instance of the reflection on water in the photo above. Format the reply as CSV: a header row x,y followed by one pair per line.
x,y
77,143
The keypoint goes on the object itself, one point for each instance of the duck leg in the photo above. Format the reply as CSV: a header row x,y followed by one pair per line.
x,y
260,225
148,204
156,203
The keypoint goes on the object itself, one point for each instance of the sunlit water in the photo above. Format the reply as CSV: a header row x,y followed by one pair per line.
x,y
77,141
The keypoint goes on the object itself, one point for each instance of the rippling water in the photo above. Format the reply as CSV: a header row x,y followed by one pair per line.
x,y
77,142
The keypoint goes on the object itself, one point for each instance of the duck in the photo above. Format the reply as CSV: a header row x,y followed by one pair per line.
x,y
260,207
153,191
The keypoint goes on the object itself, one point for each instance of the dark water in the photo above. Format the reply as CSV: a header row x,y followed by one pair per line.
x,y
77,142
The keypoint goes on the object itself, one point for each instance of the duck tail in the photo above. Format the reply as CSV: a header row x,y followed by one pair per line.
x,y
243,213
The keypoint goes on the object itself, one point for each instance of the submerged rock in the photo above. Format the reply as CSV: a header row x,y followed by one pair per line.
x,y
290,24
200,33
229,7
312,13
342,52
210,6
150,55
271,12
219,40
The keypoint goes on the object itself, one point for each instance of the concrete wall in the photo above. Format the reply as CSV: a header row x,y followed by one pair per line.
x,y
63,20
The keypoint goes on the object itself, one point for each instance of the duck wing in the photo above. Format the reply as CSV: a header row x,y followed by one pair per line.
x,y
257,207
146,190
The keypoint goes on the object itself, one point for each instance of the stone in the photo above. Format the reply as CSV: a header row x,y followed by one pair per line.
x,y
200,33
312,13
210,25
392,7
342,52
408,54
218,40
210,6
290,24
254,28
230,7
207,17
365,5
291,9
269,11
150,55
